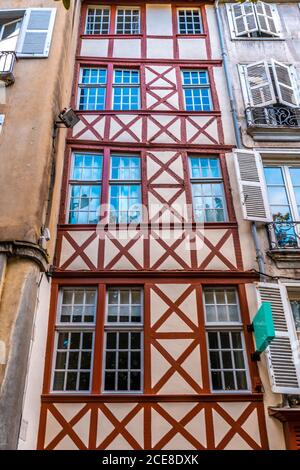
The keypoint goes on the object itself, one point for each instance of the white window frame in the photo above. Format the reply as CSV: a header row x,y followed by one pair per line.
x,y
97,7
124,327
73,182
178,22
289,192
208,180
197,86
91,85
130,8
126,85
73,327
278,37
121,182
227,327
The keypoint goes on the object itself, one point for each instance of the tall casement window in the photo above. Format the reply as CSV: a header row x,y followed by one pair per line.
x,y
74,340
125,189
196,89
85,188
189,21
97,21
207,189
253,20
126,90
283,184
92,89
128,21
123,355
225,340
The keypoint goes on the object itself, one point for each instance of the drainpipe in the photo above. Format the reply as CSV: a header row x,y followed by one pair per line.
x,y
238,138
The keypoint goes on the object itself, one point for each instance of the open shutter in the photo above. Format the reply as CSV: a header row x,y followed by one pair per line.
x,y
252,186
259,84
267,18
286,84
281,354
244,19
37,31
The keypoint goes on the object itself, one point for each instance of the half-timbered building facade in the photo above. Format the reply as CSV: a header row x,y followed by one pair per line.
x,y
147,345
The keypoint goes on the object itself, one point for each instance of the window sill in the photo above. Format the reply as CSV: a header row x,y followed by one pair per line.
x,y
274,134
257,39
111,36
285,257
191,36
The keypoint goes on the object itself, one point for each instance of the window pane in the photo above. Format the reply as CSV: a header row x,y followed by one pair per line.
x,y
128,21
72,370
78,305
221,305
97,21
124,305
84,204
227,360
87,167
125,360
189,22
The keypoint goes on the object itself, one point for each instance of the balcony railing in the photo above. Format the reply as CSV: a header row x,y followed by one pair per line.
x,y
284,235
7,62
273,116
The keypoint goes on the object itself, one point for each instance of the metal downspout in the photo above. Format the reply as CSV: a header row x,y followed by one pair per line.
x,y
239,143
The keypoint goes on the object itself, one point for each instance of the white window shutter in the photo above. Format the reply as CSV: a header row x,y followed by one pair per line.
x,y
259,84
267,18
36,32
252,186
244,19
286,84
282,362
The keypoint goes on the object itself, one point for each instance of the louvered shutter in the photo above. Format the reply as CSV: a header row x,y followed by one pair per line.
x,y
259,84
267,18
282,362
286,84
244,19
252,186
36,33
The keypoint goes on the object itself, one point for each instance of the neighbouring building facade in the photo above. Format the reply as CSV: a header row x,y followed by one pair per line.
x,y
262,41
36,66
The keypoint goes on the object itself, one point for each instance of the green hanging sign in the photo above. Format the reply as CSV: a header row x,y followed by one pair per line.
x,y
263,327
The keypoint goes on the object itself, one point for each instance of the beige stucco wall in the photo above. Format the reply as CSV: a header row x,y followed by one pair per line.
x,y
41,90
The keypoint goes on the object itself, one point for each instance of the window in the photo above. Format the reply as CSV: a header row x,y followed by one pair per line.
x,y
85,188
126,90
123,340
97,20
269,84
189,21
128,21
74,340
207,189
27,32
125,189
225,340
196,90
249,20
92,89
10,30
283,184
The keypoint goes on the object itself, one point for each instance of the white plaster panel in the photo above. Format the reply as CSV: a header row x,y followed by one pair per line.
x,y
94,47
160,48
129,48
192,48
158,15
